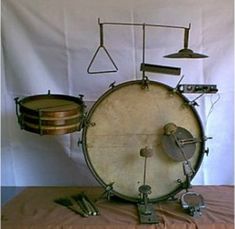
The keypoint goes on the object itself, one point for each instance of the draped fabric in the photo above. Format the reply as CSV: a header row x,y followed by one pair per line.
x,y
35,208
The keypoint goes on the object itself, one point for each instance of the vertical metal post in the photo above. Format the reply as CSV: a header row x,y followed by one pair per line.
x,y
143,54
186,36
145,168
101,33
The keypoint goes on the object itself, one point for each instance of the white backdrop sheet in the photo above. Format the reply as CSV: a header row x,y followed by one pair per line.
x,y
49,44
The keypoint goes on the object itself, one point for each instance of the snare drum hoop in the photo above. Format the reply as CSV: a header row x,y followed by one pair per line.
x,y
68,112
89,163
27,110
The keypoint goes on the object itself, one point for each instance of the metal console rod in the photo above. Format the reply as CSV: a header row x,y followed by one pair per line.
x,y
187,53
146,24
144,33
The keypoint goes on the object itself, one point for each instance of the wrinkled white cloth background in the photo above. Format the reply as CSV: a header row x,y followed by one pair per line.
x,y
49,44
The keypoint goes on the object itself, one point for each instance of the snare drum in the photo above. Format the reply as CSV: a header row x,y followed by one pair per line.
x,y
128,118
50,114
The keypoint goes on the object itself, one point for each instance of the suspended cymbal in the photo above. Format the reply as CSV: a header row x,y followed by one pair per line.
x,y
186,53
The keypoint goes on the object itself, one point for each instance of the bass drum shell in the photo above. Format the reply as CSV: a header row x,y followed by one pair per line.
x,y
128,118
51,114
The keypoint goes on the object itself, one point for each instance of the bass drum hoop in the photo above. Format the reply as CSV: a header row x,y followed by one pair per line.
x,y
106,186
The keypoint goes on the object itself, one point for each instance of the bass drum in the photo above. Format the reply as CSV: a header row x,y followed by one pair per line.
x,y
128,118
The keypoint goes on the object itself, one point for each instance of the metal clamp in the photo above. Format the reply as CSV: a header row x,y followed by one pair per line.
x,y
107,192
145,83
17,111
18,115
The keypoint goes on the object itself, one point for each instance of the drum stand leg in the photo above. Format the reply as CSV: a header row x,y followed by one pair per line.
x,y
107,192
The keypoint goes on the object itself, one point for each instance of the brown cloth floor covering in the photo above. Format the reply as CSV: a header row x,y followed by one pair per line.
x,y
35,208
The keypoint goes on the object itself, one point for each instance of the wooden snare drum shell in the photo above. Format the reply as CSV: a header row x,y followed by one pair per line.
x,y
128,118
51,114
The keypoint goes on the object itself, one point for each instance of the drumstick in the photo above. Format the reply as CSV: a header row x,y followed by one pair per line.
x,y
92,204
82,204
88,206
66,202
83,201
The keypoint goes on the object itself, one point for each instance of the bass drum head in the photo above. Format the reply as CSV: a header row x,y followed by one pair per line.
x,y
128,118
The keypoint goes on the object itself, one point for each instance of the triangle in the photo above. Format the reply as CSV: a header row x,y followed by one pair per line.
x,y
101,62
